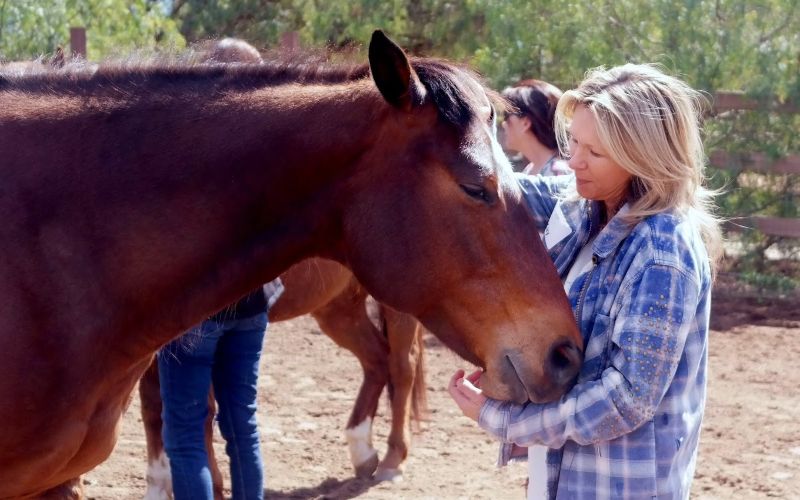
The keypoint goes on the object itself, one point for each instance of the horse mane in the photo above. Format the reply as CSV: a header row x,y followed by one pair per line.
x,y
442,79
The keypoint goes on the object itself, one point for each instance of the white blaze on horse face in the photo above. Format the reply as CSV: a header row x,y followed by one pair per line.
x,y
359,441
485,151
159,479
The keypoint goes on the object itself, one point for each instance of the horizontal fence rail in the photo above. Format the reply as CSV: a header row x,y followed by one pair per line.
x,y
756,162
773,226
732,101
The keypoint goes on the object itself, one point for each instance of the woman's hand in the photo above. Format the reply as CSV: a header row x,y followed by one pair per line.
x,y
466,392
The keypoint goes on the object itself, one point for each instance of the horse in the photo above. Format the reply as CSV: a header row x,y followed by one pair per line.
x,y
138,199
391,357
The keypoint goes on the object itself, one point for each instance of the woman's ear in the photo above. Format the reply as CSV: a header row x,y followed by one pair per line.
x,y
526,123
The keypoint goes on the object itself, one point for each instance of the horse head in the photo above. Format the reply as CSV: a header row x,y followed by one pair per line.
x,y
471,266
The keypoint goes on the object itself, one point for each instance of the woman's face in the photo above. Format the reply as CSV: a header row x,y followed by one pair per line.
x,y
597,176
516,130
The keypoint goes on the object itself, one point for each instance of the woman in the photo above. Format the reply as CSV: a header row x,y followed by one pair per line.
x,y
634,240
529,128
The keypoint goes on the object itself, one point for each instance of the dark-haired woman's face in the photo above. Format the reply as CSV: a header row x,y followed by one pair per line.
x,y
516,130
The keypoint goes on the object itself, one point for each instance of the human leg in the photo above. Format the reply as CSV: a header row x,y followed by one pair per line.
x,y
235,377
185,367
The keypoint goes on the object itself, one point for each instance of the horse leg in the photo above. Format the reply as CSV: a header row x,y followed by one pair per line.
x,y
345,321
70,490
216,475
404,334
159,477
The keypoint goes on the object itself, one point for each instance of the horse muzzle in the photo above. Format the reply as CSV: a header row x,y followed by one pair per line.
x,y
554,376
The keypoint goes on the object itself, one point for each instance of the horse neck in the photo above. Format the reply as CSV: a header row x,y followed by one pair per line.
x,y
288,154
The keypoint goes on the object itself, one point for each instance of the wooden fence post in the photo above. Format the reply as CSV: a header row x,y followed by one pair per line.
x,y
290,41
77,42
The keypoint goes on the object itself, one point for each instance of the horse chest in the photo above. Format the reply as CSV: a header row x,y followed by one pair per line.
x,y
71,439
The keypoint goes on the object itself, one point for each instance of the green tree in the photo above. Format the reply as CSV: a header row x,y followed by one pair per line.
x,y
260,22
30,28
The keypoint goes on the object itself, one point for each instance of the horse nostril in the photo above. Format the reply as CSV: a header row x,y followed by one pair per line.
x,y
564,362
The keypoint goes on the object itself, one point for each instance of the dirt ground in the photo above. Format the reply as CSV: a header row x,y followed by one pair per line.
x,y
750,444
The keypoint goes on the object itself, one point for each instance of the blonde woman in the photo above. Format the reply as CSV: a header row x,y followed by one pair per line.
x,y
634,240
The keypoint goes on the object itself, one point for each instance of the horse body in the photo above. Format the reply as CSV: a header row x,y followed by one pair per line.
x,y
137,202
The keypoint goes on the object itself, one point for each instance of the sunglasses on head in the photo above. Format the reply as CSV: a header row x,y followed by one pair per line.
x,y
507,116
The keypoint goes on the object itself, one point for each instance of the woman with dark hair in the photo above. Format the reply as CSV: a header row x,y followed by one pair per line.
x,y
528,126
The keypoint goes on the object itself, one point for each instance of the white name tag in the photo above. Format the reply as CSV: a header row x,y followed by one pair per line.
x,y
557,229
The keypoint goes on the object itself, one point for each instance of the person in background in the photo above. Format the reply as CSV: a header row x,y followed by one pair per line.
x,y
226,350
228,50
529,127
635,241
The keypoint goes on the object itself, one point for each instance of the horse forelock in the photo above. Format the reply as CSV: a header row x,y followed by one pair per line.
x,y
455,90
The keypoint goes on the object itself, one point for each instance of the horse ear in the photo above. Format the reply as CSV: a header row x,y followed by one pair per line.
x,y
393,74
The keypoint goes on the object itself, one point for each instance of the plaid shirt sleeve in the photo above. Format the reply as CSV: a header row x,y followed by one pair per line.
x,y
541,195
652,325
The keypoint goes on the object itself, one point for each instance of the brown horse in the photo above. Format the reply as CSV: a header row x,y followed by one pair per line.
x,y
393,357
138,200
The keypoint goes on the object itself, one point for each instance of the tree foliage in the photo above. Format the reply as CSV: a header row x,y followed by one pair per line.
x,y
31,28
715,44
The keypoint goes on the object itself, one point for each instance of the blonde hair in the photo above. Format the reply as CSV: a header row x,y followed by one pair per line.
x,y
649,123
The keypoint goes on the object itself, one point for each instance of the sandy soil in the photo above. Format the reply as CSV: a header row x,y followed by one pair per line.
x,y
750,446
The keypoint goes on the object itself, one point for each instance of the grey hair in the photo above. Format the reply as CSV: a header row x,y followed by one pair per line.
x,y
649,123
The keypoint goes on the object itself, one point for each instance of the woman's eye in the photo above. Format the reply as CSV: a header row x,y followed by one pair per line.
x,y
476,191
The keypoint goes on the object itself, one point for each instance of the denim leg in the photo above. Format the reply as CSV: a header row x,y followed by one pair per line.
x,y
235,377
185,367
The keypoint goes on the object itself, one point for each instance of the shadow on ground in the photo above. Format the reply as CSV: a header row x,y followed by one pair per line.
x,y
330,488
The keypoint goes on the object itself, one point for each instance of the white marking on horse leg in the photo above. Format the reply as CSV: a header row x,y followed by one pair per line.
x,y
159,479
363,456
393,474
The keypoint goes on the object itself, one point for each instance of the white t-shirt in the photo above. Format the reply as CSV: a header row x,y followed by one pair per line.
x,y
537,454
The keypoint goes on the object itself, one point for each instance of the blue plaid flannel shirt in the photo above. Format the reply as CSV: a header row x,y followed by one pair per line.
x,y
630,426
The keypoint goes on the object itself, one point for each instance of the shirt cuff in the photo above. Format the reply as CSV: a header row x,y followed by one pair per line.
x,y
493,418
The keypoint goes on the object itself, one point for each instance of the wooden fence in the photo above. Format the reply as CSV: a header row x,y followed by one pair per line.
x,y
756,162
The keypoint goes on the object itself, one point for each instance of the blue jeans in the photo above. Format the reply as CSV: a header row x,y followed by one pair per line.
x,y
227,353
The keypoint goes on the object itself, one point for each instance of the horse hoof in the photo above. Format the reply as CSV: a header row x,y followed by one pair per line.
x,y
389,474
365,469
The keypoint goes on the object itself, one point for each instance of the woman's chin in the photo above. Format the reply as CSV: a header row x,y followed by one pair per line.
x,y
583,189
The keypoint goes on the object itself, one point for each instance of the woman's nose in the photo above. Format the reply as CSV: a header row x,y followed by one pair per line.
x,y
576,162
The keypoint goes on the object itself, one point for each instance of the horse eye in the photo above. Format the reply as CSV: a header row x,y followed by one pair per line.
x,y
476,191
